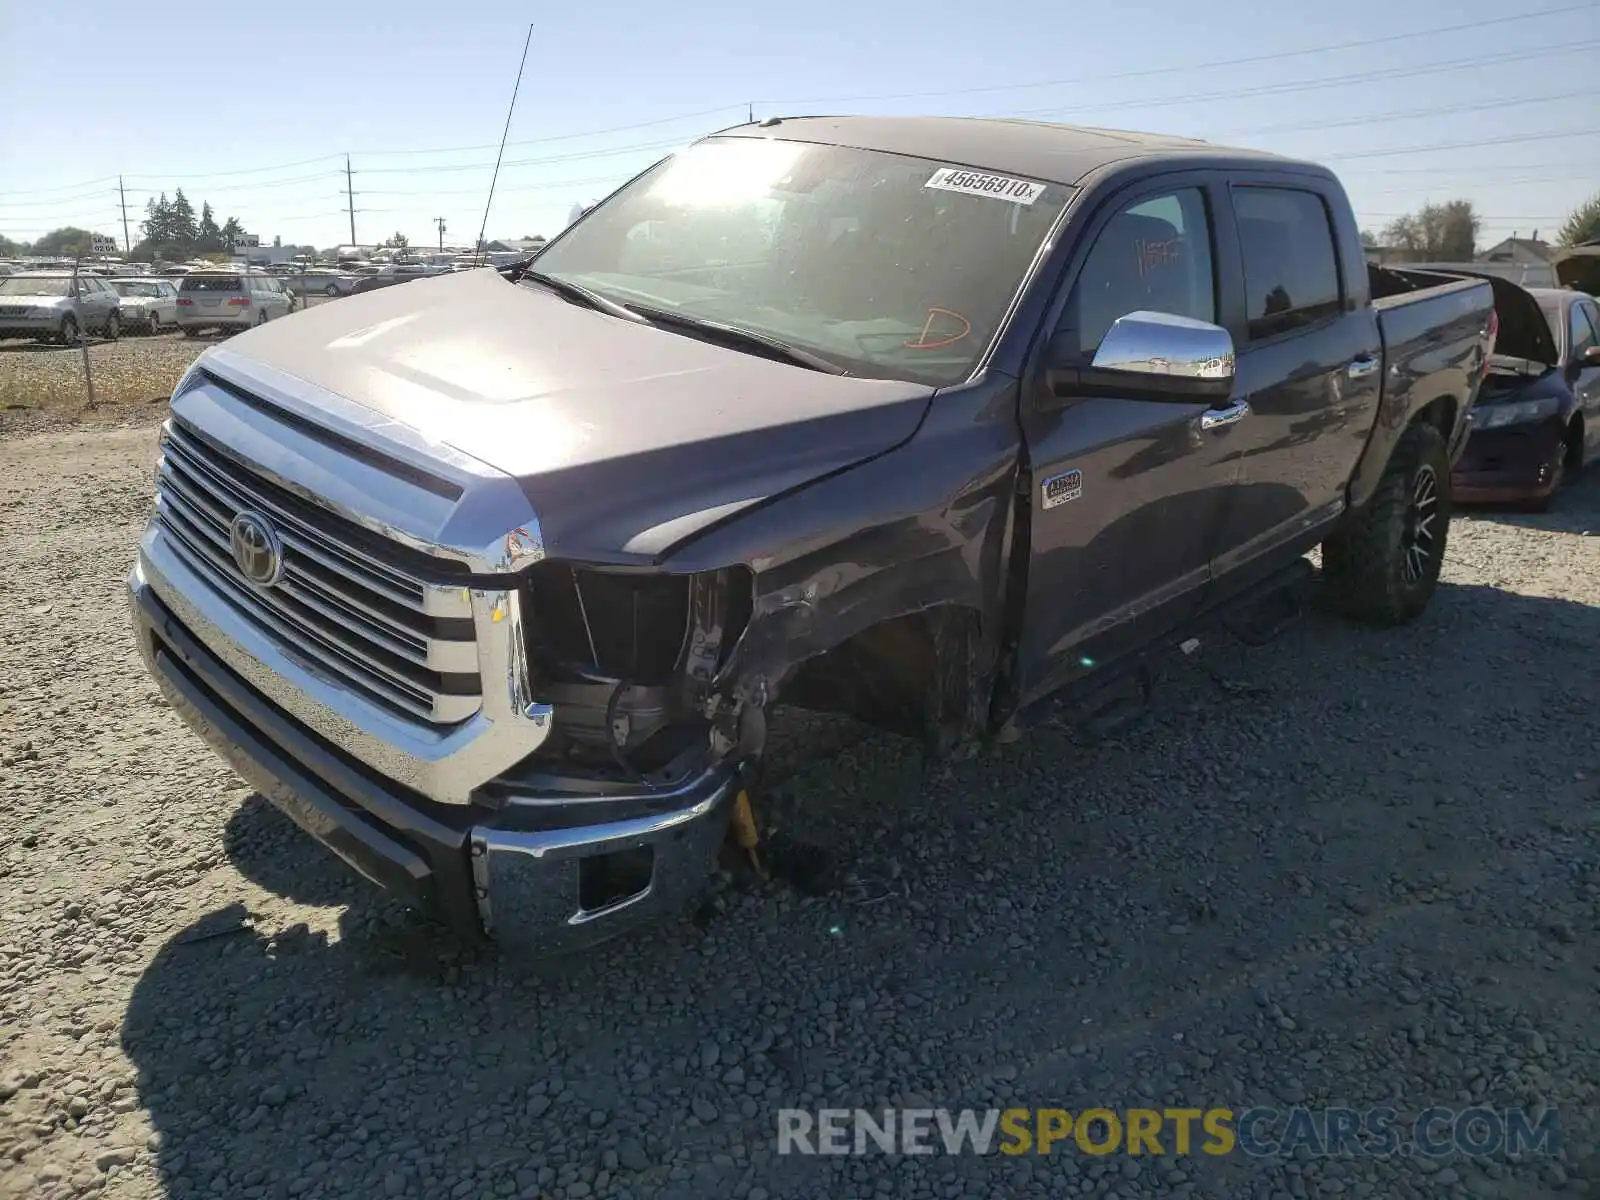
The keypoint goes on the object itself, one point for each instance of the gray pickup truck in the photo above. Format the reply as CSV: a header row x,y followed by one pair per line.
x,y
490,582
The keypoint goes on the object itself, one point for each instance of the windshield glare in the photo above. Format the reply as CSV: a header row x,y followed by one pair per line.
x,y
36,285
871,260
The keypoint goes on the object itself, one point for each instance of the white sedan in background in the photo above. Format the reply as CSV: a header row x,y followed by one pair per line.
x,y
147,303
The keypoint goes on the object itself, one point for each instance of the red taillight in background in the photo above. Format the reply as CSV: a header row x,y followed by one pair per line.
x,y
239,302
185,302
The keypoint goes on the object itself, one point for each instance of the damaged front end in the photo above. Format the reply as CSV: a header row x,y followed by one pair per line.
x,y
619,815
630,662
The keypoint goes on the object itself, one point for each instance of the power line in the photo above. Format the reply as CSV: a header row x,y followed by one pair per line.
x,y
247,187
1272,89
1437,146
304,162
560,137
1472,170
1407,114
546,186
1476,63
1226,62
530,162
62,200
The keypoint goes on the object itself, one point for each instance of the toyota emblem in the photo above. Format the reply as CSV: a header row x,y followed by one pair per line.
x,y
256,548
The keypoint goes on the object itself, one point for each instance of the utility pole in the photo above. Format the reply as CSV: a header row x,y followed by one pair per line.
x,y
439,221
350,196
750,112
127,244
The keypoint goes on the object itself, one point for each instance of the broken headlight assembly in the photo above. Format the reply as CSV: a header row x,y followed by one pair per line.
x,y
627,659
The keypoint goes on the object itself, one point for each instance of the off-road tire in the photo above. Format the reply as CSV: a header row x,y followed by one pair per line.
x,y
1364,566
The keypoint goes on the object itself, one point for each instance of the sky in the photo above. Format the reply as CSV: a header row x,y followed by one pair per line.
x,y
253,108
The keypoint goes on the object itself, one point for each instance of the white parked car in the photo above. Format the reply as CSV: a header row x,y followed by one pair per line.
x,y
228,301
149,304
43,305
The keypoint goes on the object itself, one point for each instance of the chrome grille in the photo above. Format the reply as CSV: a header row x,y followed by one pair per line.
x,y
338,607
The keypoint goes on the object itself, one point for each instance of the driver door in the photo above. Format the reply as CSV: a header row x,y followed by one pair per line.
x,y
1126,494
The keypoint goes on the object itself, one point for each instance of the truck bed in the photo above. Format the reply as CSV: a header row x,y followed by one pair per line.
x,y
1429,323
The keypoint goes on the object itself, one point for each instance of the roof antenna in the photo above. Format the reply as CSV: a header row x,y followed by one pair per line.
x,y
493,179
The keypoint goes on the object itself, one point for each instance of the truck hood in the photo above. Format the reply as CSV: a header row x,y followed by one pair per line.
x,y
627,439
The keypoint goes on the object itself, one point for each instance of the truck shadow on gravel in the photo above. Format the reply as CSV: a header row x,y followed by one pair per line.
x,y
1332,869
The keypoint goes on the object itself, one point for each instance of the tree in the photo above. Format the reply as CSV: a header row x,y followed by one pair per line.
x,y
1445,232
1368,238
69,239
397,241
231,229
157,223
1583,225
11,249
185,232
208,238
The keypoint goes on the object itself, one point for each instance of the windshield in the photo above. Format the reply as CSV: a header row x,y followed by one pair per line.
x,y
36,285
124,288
891,266
1551,308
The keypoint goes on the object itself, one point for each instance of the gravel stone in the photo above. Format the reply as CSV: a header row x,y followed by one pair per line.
x,y
1347,866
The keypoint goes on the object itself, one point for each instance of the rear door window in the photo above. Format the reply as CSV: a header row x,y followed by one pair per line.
x,y
1291,264
211,283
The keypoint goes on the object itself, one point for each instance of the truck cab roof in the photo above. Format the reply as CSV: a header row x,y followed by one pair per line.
x,y
1042,150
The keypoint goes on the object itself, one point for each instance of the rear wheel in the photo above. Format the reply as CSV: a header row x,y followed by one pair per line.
x,y
331,290
1382,568
155,322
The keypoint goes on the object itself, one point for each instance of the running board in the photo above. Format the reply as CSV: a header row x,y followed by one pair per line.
x,y
1103,698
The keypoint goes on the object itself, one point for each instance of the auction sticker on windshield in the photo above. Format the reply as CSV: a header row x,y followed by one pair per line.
x,y
977,183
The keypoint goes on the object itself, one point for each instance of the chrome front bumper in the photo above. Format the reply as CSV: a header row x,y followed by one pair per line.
x,y
503,872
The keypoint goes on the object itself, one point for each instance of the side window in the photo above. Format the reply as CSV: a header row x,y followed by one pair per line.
x,y
1154,255
1583,334
1291,267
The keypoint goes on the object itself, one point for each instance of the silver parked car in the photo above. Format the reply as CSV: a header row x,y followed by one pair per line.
x,y
229,301
148,304
41,304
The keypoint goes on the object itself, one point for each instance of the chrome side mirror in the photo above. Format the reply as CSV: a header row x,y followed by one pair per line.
x,y
1147,356
1178,356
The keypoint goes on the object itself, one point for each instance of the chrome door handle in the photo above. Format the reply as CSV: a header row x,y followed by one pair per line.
x,y
1362,367
1214,418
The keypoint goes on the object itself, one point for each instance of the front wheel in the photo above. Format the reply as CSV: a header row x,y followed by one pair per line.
x,y
1383,567
67,334
155,323
331,290
113,327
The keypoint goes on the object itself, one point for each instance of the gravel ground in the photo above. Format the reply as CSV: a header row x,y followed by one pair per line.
x,y
42,387
1346,867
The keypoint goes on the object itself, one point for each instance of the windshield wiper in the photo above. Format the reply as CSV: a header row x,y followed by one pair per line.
x,y
579,294
746,339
